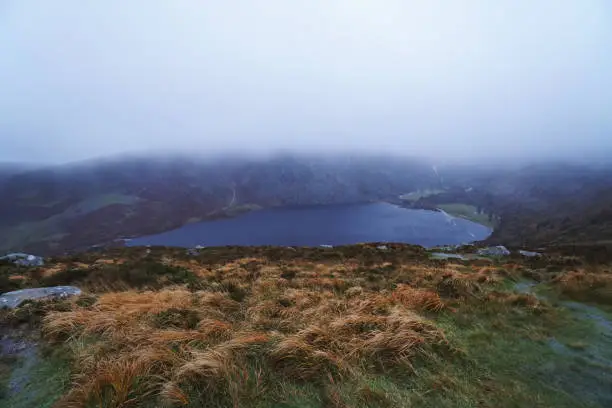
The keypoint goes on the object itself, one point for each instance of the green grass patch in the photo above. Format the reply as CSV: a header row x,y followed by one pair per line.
x,y
469,212
43,378
417,195
50,229
6,362
521,356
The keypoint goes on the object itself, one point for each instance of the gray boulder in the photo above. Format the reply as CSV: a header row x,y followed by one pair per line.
x,y
21,259
447,248
499,250
446,255
529,254
13,299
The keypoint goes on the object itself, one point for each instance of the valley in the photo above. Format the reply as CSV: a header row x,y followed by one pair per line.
x,y
125,198
293,282
71,208
305,204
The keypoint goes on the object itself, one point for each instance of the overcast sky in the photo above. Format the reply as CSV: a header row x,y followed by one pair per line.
x,y
458,78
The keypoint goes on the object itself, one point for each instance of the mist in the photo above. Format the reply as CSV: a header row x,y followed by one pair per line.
x,y
457,80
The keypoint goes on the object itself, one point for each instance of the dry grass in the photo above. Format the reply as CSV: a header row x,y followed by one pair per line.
x,y
359,328
254,324
53,270
587,285
514,299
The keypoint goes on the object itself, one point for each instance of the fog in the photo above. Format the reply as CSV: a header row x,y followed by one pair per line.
x,y
454,79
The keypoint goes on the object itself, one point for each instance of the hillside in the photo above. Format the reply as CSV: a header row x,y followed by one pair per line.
x,y
73,207
537,205
355,326
68,208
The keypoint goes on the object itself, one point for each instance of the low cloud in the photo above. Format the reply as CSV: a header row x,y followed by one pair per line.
x,y
462,79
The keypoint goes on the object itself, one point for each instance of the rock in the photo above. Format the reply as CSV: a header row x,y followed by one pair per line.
x,y
27,356
499,250
382,247
447,248
21,259
445,255
195,251
13,299
13,256
529,253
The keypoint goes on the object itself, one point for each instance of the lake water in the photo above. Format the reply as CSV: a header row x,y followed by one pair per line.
x,y
324,225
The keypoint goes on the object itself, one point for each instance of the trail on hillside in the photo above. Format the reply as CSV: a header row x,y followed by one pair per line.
x,y
585,369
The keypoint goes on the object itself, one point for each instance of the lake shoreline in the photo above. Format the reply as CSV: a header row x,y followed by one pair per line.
x,y
451,209
313,225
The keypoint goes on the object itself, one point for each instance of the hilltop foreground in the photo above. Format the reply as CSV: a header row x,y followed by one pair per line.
x,y
354,326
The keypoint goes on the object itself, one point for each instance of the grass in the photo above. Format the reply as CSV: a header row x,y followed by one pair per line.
x,y
416,195
142,273
197,346
469,212
43,380
508,351
6,364
48,229
585,285
270,327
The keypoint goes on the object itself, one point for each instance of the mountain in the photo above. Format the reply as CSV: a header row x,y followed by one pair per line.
x,y
9,169
362,325
72,207
75,206
540,205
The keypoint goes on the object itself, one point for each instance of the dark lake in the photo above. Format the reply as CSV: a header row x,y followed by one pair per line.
x,y
324,225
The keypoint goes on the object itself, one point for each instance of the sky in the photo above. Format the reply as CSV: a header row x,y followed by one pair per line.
x,y
461,79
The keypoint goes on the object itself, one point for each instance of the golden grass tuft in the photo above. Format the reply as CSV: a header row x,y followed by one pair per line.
x,y
418,298
52,270
301,361
210,366
173,395
258,323
111,382
586,285
514,299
